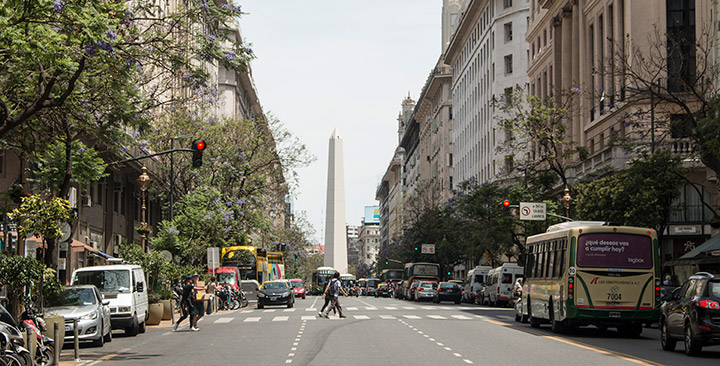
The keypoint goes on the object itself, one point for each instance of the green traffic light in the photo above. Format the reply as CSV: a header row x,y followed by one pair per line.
x,y
448,273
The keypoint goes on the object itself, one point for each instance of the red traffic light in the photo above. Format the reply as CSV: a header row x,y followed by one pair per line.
x,y
506,203
198,145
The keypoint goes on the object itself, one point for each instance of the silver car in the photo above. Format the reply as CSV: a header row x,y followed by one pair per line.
x,y
85,303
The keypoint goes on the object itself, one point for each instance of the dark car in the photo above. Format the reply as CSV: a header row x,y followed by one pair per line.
x,y
448,291
411,291
691,314
275,293
382,290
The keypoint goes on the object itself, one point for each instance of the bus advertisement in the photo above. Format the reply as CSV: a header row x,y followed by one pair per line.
x,y
592,273
254,263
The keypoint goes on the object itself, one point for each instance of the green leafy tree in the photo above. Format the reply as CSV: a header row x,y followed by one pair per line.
x,y
19,273
42,215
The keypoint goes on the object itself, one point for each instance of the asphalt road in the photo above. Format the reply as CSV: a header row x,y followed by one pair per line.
x,y
380,332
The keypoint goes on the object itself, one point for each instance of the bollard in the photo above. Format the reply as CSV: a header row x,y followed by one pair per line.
x,y
56,335
76,341
172,313
31,342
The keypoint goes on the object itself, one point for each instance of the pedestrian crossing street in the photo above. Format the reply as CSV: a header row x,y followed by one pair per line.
x,y
282,318
368,308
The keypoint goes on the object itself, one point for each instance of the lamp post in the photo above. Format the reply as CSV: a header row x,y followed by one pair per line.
x,y
566,200
144,182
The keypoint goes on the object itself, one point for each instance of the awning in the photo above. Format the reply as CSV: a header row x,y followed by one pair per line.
x,y
104,255
708,246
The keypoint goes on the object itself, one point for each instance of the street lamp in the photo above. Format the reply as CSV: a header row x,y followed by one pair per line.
x,y
144,183
566,200
652,110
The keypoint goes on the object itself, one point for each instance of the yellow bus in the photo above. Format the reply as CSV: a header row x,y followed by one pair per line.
x,y
592,273
254,263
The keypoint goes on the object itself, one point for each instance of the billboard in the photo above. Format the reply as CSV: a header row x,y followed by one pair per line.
x,y
372,214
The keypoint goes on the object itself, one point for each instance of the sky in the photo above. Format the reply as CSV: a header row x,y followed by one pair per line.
x,y
345,64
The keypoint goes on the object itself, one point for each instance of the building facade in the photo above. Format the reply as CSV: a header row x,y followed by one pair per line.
x,y
368,243
489,59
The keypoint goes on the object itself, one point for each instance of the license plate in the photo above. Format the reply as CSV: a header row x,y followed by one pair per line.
x,y
273,299
614,314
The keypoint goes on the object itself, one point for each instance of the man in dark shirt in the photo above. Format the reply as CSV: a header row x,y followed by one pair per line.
x,y
186,303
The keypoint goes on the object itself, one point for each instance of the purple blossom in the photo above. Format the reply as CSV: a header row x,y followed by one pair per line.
x,y
575,90
230,56
82,150
136,134
204,6
211,37
59,6
111,34
105,46
90,49
173,231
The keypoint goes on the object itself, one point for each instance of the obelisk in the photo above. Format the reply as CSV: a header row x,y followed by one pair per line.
x,y
335,236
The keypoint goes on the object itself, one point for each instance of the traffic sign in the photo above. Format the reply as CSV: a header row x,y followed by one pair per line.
x,y
428,249
532,211
213,257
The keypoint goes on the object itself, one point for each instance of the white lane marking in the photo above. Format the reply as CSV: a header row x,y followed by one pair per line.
x,y
387,317
448,349
436,317
457,355
390,308
311,309
361,317
223,320
246,311
431,339
289,310
280,318
462,317
439,344
370,308
252,319
293,349
426,336
446,308
288,361
427,307
419,332
408,308
351,308
295,343
291,354
411,317
269,311
313,304
308,317
297,339
468,361
364,303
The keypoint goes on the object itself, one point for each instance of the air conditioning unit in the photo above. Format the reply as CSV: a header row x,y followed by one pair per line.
x,y
118,240
86,200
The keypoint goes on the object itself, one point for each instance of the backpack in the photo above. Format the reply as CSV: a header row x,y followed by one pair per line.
x,y
334,288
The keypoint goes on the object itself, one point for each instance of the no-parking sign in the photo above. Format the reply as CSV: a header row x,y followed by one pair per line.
x,y
532,211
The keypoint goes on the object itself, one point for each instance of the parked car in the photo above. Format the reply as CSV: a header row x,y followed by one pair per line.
x,y
382,290
298,287
275,293
86,304
124,286
691,314
425,291
448,291
411,291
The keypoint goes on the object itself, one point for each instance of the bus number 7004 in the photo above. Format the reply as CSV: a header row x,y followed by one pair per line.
x,y
612,296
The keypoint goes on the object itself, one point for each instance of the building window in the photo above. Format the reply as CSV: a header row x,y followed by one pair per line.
x,y
508,64
691,205
681,44
508,32
507,4
680,126
509,165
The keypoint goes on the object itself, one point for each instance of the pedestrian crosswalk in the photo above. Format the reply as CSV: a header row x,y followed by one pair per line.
x,y
285,318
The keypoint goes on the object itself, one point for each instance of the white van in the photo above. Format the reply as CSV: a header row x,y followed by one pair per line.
x,y
500,281
124,286
474,282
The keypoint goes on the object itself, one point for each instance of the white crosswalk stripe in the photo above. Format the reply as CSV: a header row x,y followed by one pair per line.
x,y
370,308
269,311
411,317
463,317
361,317
308,317
387,317
408,308
289,310
311,309
281,318
390,308
436,317
252,319
352,308
223,320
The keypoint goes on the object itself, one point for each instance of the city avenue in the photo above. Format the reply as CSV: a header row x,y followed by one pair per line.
x,y
381,331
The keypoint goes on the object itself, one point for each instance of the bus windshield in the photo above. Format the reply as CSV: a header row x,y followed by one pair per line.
x,y
615,251
425,270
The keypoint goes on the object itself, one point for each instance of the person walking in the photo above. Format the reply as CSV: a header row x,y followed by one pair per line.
x,y
211,288
198,303
186,305
328,298
334,289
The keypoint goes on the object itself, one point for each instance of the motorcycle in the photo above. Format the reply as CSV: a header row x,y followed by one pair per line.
x,y
228,300
45,350
14,352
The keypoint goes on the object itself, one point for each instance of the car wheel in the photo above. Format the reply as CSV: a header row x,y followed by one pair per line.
x,y
133,329
260,306
108,336
290,304
303,297
100,341
535,322
666,341
691,346
141,327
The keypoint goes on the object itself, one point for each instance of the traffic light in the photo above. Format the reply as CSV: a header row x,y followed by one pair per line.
x,y
386,262
449,273
296,258
198,146
415,247
506,203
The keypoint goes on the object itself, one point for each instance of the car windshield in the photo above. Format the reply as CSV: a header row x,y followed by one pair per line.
x,y
447,285
226,278
273,286
297,284
714,289
75,297
105,281
427,284
479,278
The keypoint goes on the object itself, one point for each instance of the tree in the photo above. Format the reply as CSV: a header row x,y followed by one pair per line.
x,y
19,273
42,215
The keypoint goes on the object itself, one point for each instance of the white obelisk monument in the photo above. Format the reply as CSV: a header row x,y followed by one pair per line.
x,y
335,236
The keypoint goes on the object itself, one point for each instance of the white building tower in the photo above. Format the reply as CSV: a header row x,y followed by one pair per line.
x,y
335,236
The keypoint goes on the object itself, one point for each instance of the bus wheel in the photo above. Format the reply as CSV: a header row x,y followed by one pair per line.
x,y
534,322
557,326
524,319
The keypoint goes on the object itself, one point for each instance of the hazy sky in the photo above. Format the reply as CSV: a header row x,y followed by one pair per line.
x,y
345,64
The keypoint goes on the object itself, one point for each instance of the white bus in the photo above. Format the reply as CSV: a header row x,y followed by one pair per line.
x,y
499,283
